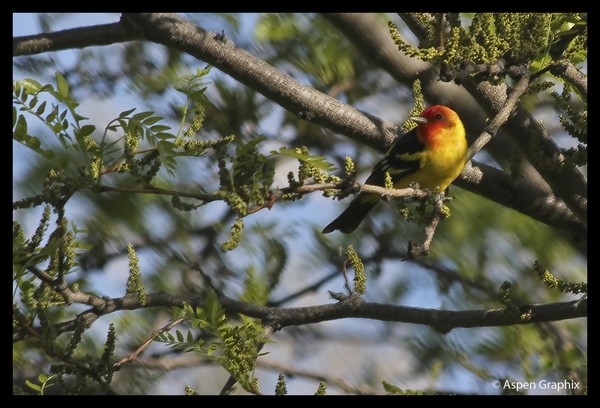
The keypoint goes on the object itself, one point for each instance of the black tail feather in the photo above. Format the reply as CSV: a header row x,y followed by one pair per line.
x,y
351,218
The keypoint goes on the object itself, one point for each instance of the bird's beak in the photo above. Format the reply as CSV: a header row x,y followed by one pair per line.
x,y
418,119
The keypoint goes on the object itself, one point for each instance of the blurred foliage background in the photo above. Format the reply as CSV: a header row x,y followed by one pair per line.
x,y
282,251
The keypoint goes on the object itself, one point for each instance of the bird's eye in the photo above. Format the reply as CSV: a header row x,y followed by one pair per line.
x,y
438,116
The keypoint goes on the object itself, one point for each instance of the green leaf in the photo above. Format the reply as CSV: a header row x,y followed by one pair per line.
x,y
31,86
20,135
210,350
47,88
165,136
33,386
124,125
20,129
62,84
78,117
142,115
40,109
33,142
392,388
86,130
33,102
204,71
189,310
314,160
43,377
151,120
159,128
214,311
197,95
52,115
126,113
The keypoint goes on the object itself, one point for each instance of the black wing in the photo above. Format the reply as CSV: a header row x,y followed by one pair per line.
x,y
401,159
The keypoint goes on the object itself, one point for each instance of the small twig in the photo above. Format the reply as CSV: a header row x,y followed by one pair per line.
x,y
60,278
169,363
344,186
159,191
430,229
207,278
394,192
500,118
313,287
439,31
369,188
315,376
415,250
114,166
26,325
275,195
43,276
346,280
134,354
339,296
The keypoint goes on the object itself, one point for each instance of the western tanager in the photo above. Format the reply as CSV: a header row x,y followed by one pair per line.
x,y
432,155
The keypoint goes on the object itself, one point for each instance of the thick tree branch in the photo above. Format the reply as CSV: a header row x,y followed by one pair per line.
x,y
372,38
572,75
104,34
352,307
304,101
567,182
442,320
525,197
